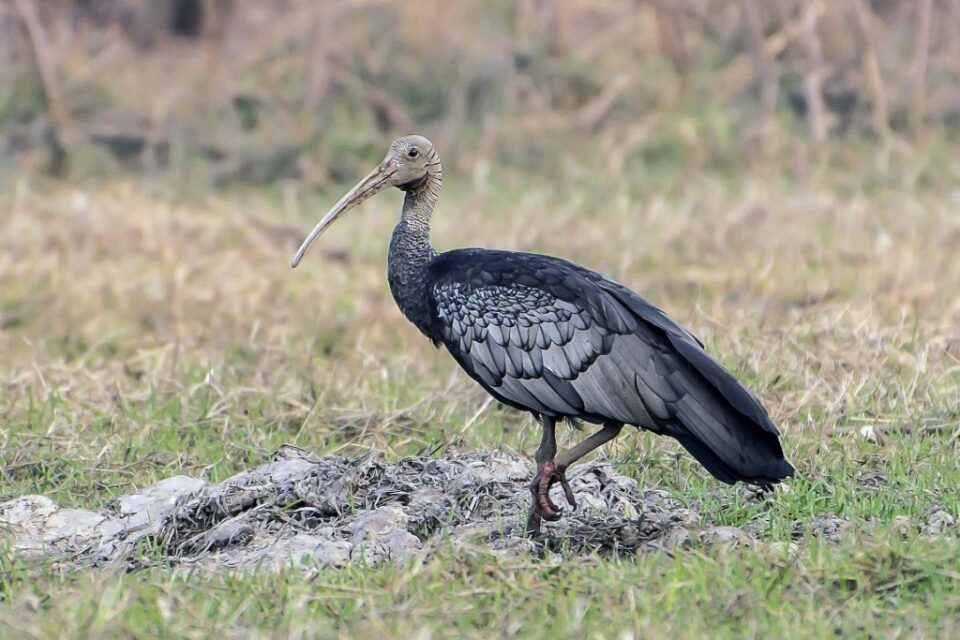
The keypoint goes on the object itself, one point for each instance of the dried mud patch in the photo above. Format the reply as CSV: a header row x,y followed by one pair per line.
x,y
302,510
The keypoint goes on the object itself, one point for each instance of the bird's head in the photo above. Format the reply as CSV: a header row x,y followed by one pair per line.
x,y
408,163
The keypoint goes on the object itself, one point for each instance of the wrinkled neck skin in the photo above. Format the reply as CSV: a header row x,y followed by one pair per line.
x,y
411,252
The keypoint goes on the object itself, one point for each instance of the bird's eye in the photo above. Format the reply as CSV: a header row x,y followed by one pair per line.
x,y
413,153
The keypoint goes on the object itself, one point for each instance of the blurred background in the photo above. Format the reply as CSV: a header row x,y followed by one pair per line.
x,y
781,176
299,90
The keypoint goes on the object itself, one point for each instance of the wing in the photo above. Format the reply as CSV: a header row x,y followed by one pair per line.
x,y
548,336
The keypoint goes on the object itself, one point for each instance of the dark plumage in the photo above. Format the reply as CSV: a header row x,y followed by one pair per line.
x,y
550,337
547,336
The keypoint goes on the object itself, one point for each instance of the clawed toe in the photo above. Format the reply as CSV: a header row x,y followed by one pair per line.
x,y
567,491
543,507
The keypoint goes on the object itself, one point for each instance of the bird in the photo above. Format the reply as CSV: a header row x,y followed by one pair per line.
x,y
555,339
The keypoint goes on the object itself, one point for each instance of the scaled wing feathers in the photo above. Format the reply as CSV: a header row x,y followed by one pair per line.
x,y
550,337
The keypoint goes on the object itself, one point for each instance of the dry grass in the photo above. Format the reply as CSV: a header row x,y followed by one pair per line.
x,y
146,334
257,92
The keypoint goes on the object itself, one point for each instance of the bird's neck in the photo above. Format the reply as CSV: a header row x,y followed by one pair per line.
x,y
411,251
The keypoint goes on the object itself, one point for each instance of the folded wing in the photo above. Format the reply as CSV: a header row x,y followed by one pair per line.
x,y
547,336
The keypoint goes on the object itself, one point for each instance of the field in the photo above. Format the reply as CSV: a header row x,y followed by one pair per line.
x,y
148,332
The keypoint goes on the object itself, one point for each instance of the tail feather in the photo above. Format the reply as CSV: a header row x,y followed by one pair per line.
x,y
715,417
765,477
729,444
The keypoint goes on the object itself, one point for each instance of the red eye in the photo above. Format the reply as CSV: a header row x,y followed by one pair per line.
x,y
413,153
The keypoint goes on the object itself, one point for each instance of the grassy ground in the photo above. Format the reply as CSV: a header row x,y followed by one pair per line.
x,y
146,334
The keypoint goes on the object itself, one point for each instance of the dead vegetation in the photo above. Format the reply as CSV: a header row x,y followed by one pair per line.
x,y
333,511
145,338
264,91
301,510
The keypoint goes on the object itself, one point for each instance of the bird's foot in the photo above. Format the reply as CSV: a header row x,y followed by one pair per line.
x,y
543,507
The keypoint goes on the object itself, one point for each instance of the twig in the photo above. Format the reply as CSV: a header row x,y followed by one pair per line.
x,y
41,54
397,117
812,79
920,62
765,71
871,67
51,89
469,423
589,116
738,73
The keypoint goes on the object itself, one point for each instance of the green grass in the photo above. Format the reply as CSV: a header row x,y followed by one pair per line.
x,y
858,588
144,335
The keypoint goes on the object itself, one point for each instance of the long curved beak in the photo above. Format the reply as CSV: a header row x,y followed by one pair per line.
x,y
376,181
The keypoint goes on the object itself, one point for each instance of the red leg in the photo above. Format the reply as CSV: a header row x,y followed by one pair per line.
x,y
541,507
551,469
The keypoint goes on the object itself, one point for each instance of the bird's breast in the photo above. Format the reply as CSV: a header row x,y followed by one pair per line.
x,y
410,283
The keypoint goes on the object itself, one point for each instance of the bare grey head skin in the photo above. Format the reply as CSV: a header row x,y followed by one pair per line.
x,y
409,164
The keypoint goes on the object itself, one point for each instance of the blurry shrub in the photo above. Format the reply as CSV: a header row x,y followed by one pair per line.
x,y
304,89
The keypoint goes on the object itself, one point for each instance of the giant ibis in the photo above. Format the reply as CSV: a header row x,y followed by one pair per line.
x,y
547,336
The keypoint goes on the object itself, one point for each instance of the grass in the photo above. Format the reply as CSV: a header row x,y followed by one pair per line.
x,y
147,333
850,590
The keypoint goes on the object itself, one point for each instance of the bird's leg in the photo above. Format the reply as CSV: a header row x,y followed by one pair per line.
x,y
608,432
551,468
542,507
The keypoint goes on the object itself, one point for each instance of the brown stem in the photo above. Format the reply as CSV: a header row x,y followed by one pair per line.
x,y
920,62
812,79
764,69
871,68
59,120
